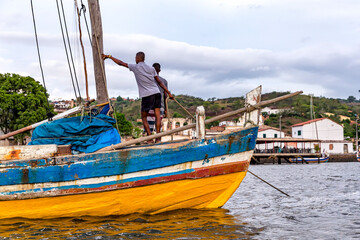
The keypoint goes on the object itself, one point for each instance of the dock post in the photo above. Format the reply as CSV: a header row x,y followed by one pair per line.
x,y
200,122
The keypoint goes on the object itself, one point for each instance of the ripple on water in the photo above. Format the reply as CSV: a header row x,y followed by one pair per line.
x,y
324,204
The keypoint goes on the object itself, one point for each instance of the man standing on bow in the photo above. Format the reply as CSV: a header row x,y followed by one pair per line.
x,y
146,78
151,115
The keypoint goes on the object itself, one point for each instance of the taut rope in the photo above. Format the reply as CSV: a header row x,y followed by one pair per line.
x,y
66,51
49,114
269,183
191,115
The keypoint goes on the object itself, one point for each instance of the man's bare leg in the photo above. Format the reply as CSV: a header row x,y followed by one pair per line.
x,y
157,122
145,123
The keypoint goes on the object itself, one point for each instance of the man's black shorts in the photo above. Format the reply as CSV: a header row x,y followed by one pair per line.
x,y
151,102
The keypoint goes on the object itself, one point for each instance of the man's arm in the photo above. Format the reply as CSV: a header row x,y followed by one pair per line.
x,y
164,87
117,61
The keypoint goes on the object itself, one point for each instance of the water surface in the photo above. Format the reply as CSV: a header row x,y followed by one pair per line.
x,y
324,204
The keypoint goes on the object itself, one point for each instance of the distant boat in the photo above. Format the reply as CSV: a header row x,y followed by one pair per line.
x,y
310,160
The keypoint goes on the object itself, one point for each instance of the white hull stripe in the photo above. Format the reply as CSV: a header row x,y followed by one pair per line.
x,y
129,177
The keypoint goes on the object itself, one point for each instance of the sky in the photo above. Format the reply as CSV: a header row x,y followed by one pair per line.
x,y
207,48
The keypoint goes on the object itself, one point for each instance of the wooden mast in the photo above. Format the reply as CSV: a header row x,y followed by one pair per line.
x,y
97,49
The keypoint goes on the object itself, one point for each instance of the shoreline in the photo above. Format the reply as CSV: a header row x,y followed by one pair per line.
x,y
346,157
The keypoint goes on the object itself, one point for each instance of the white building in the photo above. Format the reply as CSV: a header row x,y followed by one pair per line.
x,y
270,132
329,132
274,110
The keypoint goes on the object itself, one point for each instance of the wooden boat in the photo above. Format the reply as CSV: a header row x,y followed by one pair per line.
x,y
144,179
47,181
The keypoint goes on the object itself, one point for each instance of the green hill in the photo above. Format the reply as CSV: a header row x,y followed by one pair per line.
x,y
300,109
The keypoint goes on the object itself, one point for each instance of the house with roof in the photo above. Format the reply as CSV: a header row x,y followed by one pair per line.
x,y
268,135
270,132
330,134
274,110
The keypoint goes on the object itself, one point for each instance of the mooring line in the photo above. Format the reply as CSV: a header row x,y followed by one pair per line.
x,y
268,183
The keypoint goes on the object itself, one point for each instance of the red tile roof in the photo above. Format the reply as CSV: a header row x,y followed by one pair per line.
x,y
265,127
217,128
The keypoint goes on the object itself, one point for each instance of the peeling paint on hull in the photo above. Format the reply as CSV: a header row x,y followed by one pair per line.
x,y
151,179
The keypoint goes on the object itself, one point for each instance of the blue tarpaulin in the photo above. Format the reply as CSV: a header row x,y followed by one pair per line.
x,y
85,134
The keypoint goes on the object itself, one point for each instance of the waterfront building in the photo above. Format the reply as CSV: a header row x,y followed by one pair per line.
x,y
270,132
330,134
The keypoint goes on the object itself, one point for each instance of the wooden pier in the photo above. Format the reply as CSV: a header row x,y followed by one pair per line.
x,y
284,150
261,158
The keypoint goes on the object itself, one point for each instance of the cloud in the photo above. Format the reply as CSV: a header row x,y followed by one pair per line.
x,y
205,71
212,48
231,72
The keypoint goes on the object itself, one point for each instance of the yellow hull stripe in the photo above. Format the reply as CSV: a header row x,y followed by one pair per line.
x,y
211,192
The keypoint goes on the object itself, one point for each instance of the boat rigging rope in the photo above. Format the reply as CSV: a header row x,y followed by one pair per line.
x,y
49,114
71,55
168,114
67,55
66,51
83,8
83,52
184,109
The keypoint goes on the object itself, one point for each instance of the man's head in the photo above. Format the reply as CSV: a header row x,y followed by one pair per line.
x,y
140,57
157,67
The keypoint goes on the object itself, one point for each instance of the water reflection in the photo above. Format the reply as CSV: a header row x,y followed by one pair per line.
x,y
181,224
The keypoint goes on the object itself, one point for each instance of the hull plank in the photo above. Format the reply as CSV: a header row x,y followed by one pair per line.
x,y
71,168
212,192
27,152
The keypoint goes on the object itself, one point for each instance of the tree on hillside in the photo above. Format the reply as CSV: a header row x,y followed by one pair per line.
x,y
119,99
351,99
23,101
125,126
215,107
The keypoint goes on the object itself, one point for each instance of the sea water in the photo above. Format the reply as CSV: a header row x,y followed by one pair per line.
x,y
324,203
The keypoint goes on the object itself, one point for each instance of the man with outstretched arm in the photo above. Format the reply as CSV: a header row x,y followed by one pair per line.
x,y
151,115
146,79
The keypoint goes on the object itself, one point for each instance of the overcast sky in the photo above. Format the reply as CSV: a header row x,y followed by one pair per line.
x,y
207,48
